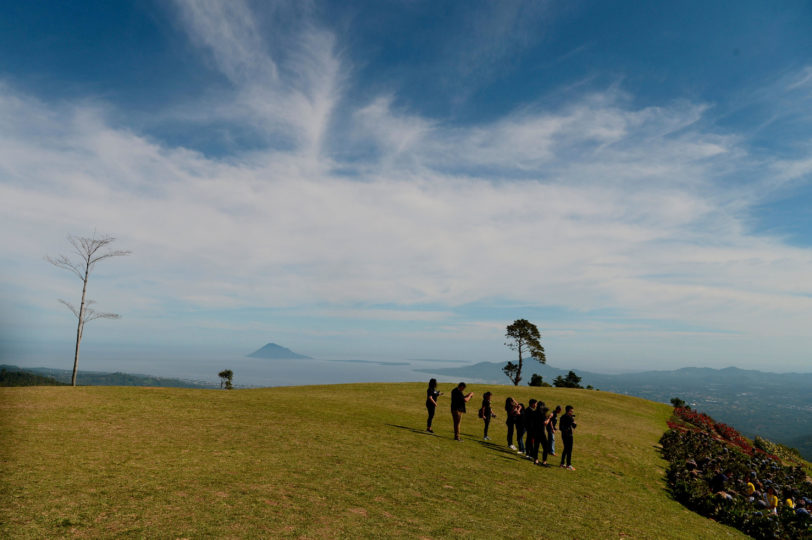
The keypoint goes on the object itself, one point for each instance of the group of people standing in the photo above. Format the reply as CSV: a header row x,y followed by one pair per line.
x,y
534,426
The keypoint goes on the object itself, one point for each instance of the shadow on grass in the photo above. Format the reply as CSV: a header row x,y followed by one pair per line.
x,y
496,447
506,452
413,430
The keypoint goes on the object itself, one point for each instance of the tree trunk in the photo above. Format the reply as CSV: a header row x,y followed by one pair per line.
x,y
79,330
519,371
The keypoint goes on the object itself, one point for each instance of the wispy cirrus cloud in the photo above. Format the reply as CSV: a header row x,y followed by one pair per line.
x,y
291,98
593,205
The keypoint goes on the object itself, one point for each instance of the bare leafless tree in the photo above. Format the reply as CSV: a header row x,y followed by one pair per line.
x,y
90,251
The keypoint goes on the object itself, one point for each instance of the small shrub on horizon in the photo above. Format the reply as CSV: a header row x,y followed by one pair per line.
x,y
226,375
570,381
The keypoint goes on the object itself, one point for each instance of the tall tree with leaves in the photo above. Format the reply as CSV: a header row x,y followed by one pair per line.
x,y
89,251
525,338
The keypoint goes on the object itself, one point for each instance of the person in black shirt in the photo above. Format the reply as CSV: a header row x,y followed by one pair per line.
x,y
458,401
520,427
544,416
565,426
531,445
487,413
551,430
511,414
431,402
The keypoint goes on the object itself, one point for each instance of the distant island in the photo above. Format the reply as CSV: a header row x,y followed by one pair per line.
x,y
277,352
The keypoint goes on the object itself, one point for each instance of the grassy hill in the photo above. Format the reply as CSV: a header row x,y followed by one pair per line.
x,y
777,406
323,462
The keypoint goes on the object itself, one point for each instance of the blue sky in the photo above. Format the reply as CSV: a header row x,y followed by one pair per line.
x,y
394,180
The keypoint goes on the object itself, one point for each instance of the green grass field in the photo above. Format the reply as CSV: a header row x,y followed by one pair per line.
x,y
323,462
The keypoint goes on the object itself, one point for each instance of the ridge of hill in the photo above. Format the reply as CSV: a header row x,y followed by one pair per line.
x,y
345,461
272,350
13,376
777,406
103,378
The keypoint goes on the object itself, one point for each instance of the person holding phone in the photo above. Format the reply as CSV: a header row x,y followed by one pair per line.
x,y
458,401
565,426
431,402
487,413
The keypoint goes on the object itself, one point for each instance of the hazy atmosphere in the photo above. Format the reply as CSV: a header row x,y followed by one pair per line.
x,y
400,180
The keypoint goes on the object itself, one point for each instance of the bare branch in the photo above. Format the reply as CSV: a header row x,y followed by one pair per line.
x,y
71,307
90,250
107,255
67,264
92,315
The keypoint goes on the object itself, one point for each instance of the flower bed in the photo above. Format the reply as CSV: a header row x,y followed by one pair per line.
x,y
703,422
710,465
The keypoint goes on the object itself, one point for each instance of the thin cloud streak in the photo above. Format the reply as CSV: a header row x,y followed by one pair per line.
x,y
296,107
596,205
440,239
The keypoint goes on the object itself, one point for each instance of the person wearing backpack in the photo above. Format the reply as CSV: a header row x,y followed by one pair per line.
x,y
486,413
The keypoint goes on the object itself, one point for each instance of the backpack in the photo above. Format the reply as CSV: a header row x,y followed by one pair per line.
x,y
482,412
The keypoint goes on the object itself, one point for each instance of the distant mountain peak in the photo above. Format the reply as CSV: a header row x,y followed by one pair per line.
x,y
272,350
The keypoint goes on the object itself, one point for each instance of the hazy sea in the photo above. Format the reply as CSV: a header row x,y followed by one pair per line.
x,y
248,372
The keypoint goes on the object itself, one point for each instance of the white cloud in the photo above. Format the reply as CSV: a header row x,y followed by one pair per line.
x,y
802,80
385,314
597,205
224,235
292,98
